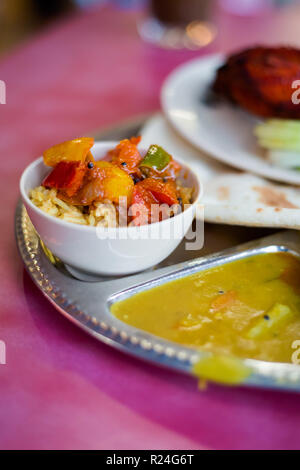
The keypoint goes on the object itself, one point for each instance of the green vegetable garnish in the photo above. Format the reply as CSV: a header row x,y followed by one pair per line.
x,y
279,134
156,158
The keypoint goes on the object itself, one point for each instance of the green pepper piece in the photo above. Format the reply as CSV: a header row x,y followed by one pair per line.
x,y
156,158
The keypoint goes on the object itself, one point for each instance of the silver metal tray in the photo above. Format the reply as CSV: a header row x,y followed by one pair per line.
x,y
87,303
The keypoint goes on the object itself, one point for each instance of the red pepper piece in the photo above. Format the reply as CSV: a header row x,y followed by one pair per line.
x,y
142,200
164,193
66,176
151,191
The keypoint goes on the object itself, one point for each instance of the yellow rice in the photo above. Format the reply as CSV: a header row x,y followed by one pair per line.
x,y
99,214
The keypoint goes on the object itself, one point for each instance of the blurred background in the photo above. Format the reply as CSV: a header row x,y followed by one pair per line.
x,y
168,23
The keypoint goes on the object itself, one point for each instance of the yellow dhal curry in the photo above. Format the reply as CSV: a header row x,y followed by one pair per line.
x,y
248,308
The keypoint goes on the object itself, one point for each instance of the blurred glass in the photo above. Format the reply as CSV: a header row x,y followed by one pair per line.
x,y
252,7
88,3
246,7
177,24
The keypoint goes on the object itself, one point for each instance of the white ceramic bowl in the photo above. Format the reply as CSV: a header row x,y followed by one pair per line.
x,y
105,251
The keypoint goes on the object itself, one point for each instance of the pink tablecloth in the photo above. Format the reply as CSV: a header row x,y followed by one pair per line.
x,y
60,388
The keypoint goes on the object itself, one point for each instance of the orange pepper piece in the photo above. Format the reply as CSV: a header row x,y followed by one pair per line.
x,y
71,150
104,181
116,183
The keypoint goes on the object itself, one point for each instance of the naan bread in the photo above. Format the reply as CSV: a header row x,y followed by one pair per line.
x,y
245,199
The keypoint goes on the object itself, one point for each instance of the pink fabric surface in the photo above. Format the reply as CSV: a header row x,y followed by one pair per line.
x,y
60,388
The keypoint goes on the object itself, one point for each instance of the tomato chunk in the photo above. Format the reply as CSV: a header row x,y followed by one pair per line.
x,y
67,176
127,156
173,169
223,301
71,150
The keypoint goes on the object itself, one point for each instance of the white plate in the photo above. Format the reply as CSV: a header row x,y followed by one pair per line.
x,y
229,196
221,130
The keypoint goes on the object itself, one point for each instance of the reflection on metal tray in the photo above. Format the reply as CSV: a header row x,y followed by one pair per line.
x,y
86,303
